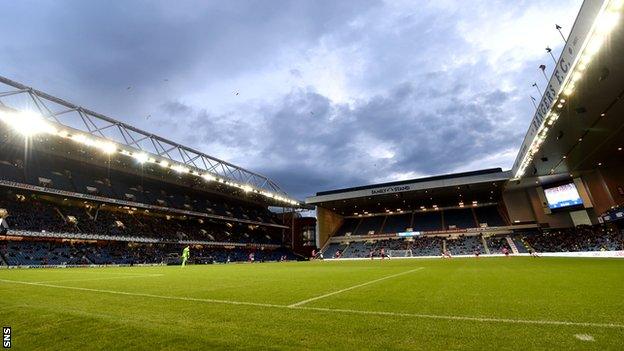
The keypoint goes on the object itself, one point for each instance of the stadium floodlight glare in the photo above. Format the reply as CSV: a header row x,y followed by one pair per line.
x,y
180,169
208,177
107,147
27,123
30,123
140,157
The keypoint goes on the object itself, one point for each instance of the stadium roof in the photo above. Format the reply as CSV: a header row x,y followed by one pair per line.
x,y
412,181
450,189
41,112
577,125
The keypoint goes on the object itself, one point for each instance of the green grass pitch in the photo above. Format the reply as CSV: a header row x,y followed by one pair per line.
x,y
413,304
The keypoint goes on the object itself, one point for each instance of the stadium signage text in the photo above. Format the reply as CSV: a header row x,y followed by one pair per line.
x,y
549,98
563,68
391,189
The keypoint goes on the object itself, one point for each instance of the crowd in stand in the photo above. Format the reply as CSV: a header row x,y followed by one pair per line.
x,y
497,244
54,172
40,253
30,213
581,238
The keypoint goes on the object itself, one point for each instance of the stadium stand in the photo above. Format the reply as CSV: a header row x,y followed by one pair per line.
x,y
464,245
459,218
581,238
34,213
489,215
358,249
348,226
369,225
41,253
427,221
397,223
426,246
332,249
138,213
497,243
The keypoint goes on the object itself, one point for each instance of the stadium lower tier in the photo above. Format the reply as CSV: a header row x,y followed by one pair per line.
x,y
582,238
43,253
41,213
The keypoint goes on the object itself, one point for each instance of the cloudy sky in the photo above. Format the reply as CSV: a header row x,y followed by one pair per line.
x,y
314,94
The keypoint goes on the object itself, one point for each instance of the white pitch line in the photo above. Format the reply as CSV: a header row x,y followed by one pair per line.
x,y
332,310
352,287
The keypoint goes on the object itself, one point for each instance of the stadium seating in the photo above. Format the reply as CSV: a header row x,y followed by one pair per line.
x,y
348,226
37,214
51,171
369,224
426,246
465,245
581,238
426,221
331,249
41,253
397,223
497,243
460,218
489,215
358,249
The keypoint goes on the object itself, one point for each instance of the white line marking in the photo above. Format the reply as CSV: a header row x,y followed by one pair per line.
x,y
584,337
353,287
331,310
107,278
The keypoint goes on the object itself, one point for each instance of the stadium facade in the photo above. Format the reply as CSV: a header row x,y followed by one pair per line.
x,y
569,171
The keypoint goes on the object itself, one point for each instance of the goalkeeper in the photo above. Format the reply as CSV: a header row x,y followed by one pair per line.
x,y
185,255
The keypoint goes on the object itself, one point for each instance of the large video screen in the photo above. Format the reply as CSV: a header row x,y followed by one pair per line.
x,y
563,196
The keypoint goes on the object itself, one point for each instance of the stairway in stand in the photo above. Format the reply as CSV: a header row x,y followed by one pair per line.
x,y
512,245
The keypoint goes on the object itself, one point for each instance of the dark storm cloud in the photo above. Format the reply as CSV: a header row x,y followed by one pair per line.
x,y
309,144
110,46
315,94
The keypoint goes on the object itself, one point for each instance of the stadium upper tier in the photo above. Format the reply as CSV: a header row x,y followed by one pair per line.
x,y
423,221
60,167
52,216
576,125
30,112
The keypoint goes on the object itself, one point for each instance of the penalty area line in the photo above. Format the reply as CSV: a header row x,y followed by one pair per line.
x,y
332,310
303,302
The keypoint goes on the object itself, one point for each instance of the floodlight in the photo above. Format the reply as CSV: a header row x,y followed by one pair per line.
x,y
107,147
27,123
180,169
140,157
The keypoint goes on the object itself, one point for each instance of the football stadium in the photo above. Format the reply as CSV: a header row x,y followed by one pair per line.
x,y
113,237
